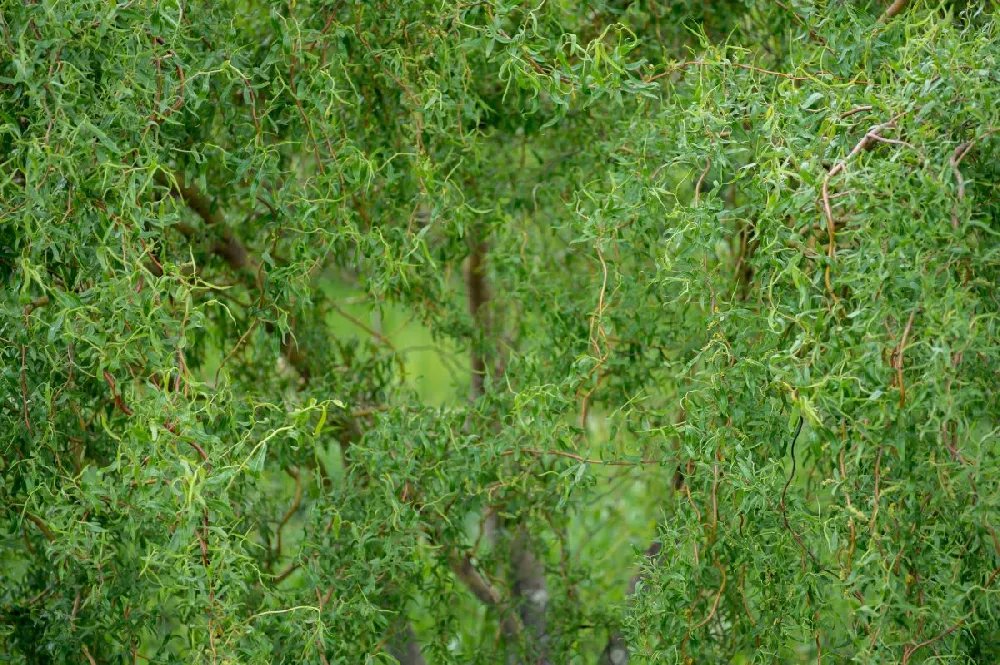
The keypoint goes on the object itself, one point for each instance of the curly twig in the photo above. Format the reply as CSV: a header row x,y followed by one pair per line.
x,y
781,503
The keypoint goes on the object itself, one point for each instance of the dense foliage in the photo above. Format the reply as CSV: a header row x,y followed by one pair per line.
x,y
548,332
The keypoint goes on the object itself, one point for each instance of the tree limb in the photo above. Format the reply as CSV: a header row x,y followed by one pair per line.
x,y
478,295
485,592
893,9
616,652
403,645
527,572
235,254
530,592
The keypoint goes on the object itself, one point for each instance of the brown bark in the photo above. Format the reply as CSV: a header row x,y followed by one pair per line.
x,y
478,295
403,645
529,590
893,9
486,593
531,594
235,254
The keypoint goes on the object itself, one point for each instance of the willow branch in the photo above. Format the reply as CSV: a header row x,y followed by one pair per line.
x,y
485,592
478,295
229,248
893,9
42,526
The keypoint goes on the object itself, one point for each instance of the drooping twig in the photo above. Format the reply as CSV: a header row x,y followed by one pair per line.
x,y
897,358
878,479
232,352
296,502
718,597
24,389
956,158
784,491
795,437
743,596
850,510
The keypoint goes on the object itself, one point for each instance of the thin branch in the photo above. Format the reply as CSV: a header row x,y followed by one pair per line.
x,y
870,137
893,9
239,343
743,596
718,597
878,478
478,295
486,593
897,358
784,491
956,158
578,458
46,531
24,389
296,502
697,187
35,304
285,574
381,339
911,649
855,110
236,256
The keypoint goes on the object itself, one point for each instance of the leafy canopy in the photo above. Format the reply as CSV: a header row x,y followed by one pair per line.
x,y
360,331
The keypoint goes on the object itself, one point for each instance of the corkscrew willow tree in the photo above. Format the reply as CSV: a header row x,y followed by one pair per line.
x,y
713,287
